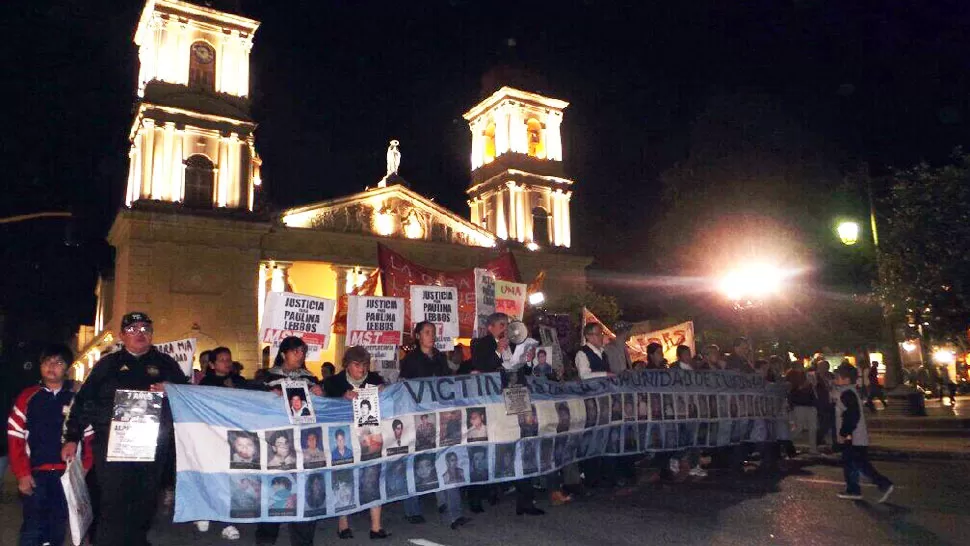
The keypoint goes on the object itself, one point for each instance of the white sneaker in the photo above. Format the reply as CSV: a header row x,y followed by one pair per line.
x,y
202,526
698,472
886,493
230,533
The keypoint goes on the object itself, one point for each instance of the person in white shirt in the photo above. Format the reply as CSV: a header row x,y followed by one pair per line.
x,y
591,361
683,358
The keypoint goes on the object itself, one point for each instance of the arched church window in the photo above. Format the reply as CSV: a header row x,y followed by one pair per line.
x,y
202,66
489,135
540,226
534,128
200,179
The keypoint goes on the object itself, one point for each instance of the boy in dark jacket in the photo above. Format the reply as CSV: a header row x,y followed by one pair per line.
x,y
34,433
854,438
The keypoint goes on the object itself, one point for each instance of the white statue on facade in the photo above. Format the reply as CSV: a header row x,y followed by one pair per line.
x,y
393,158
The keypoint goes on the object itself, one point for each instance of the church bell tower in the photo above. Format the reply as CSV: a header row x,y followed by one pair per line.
x,y
192,137
518,190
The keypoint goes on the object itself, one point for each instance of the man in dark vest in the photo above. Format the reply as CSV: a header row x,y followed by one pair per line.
x,y
591,360
493,353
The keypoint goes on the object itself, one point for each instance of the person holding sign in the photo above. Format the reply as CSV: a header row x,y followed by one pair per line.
x,y
129,490
34,436
424,360
345,385
493,353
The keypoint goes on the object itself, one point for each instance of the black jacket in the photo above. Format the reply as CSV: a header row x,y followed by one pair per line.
x,y
336,386
264,381
484,357
416,364
232,381
94,403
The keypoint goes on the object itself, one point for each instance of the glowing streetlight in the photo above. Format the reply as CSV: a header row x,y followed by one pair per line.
x,y
848,233
750,285
536,298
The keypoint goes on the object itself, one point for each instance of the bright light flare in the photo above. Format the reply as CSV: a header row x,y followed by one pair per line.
x,y
536,298
752,282
848,233
909,346
944,356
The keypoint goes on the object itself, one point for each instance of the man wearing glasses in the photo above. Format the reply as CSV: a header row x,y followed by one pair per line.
x,y
129,490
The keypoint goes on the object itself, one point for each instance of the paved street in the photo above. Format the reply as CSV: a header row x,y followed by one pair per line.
x,y
929,507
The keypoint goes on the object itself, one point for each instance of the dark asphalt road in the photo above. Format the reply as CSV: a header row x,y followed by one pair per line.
x,y
931,505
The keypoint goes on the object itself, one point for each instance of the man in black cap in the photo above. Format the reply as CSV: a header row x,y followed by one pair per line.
x,y
129,490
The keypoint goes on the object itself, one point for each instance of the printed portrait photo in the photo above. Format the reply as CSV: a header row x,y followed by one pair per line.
x,y
343,490
630,444
668,405
281,454
562,417
340,450
702,410
478,460
477,425
505,460
591,412
425,476
296,402
315,495
713,428
366,416
450,427
616,408
734,405
613,442
454,472
546,455
244,495
425,432
398,444
243,449
585,442
655,411
643,406
629,407
369,488
528,424
604,410
722,406
735,431
311,444
371,443
701,434
686,431
282,495
670,436
530,456
692,407
680,405
396,479
656,436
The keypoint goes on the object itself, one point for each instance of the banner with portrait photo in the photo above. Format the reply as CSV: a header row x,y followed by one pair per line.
x,y
239,459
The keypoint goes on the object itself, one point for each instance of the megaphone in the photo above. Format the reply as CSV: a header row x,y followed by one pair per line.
x,y
517,332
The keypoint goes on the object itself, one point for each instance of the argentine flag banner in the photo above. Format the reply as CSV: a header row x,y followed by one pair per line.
x,y
239,459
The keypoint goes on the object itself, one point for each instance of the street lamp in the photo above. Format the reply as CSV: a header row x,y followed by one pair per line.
x,y
750,285
848,232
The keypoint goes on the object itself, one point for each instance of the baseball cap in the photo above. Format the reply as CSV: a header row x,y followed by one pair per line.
x,y
134,317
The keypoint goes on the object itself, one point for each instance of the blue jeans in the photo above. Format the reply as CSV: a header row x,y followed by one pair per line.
x,y
45,511
855,461
451,498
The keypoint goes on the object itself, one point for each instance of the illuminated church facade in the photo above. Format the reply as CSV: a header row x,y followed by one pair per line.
x,y
191,252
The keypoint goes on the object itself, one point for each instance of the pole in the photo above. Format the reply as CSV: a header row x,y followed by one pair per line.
x,y
891,355
34,216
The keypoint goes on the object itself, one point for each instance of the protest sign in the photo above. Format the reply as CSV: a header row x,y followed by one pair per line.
x,y
510,299
182,350
297,403
287,314
516,400
484,300
550,339
433,426
669,338
398,274
367,407
439,306
376,323
133,435
388,369
80,513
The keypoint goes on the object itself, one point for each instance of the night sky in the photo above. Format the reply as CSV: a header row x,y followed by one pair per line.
x,y
333,81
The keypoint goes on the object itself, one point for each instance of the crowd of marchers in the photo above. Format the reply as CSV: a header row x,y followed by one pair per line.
x,y
52,422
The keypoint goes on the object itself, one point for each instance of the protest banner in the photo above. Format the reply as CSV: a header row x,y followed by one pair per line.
x,y
133,435
367,407
183,351
308,317
439,306
80,512
376,323
669,338
510,299
398,274
484,300
428,426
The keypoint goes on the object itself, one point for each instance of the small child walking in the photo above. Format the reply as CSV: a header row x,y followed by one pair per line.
x,y
854,438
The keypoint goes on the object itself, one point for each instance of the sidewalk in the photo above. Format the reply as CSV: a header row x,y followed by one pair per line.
x,y
944,433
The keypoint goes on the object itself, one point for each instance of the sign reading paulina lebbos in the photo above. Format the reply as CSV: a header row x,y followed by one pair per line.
x,y
510,299
376,323
288,314
182,350
439,306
